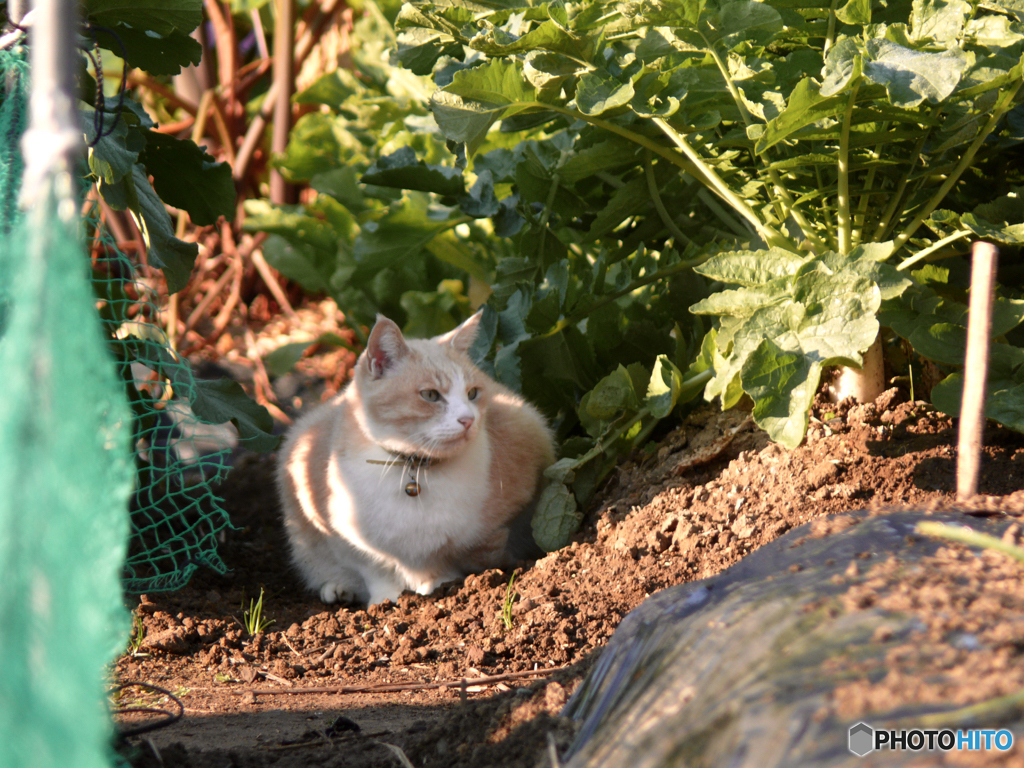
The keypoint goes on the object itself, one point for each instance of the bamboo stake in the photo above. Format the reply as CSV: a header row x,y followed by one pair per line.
x,y
972,406
284,79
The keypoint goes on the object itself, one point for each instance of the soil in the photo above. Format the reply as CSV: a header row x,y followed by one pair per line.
x,y
477,673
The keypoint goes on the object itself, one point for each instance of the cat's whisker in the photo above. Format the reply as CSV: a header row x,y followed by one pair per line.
x,y
387,464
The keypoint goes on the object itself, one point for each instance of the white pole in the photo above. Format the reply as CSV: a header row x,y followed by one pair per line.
x,y
972,405
53,142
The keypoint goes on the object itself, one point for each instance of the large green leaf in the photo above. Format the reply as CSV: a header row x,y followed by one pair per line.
x,y
293,223
308,266
742,21
114,155
817,318
547,36
614,393
556,518
597,93
402,233
497,82
224,400
750,268
806,105
160,17
909,76
402,169
187,178
313,147
165,251
855,12
158,54
939,21
477,97
782,385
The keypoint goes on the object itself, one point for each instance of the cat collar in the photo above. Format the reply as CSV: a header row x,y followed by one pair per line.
x,y
413,462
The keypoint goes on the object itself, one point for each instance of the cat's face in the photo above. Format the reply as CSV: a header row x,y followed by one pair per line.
x,y
422,396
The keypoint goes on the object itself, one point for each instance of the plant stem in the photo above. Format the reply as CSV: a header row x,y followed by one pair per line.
x,y
574,318
714,182
783,203
826,214
1001,108
894,200
843,201
920,255
862,206
659,205
830,36
723,215
636,138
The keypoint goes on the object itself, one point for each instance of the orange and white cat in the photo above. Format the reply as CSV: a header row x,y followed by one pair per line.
x,y
421,471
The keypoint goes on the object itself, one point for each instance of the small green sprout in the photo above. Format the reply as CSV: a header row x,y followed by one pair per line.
x,y
138,635
254,621
510,598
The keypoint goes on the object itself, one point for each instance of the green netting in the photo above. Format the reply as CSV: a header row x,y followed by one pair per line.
x,y
175,514
13,119
65,478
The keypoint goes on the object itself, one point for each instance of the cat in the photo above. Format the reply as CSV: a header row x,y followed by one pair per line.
x,y
421,471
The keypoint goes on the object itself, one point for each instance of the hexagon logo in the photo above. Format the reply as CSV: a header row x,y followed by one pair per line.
x,y
862,739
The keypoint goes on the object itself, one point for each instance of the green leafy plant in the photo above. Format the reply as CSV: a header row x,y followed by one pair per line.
x,y
779,167
253,620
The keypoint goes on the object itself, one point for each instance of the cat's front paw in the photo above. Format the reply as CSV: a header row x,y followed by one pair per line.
x,y
333,593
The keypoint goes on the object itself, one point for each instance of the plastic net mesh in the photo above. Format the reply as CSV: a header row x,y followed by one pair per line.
x,y
175,514
65,478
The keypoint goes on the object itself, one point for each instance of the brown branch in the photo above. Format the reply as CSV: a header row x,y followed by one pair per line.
x,y
261,381
270,280
226,138
227,239
173,128
137,79
224,29
306,40
252,72
213,293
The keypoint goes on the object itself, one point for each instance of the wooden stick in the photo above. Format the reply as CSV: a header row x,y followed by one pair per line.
x,y
972,407
271,282
395,687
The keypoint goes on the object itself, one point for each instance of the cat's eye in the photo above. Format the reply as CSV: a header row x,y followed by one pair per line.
x,y
473,393
430,395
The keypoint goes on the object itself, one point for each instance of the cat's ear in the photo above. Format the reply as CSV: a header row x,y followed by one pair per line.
x,y
462,338
385,347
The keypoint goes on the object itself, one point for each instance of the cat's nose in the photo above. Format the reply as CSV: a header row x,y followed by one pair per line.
x,y
466,422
